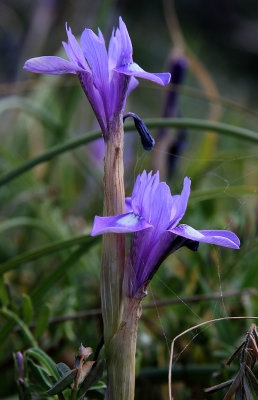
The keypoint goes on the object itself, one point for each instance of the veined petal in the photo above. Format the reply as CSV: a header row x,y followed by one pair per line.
x,y
94,97
227,234
112,51
134,69
126,44
123,223
179,203
50,65
95,52
74,51
221,238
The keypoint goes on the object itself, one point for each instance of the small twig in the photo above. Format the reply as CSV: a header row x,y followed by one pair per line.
x,y
94,312
212,321
201,297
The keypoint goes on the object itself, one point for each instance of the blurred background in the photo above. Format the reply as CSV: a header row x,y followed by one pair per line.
x,y
211,50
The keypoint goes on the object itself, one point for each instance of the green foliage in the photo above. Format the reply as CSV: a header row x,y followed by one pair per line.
x,y
51,188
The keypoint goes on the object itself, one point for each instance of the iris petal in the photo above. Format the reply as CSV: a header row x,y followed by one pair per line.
x,y
221,238
95,52
179,203
123,223
135,70
50,65
74,51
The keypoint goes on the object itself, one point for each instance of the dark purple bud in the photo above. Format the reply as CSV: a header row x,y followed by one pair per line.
x,y
178,67
19,359
147,140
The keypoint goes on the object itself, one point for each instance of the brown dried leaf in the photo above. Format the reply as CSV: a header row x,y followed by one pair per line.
x,y
85,370
252,379
220,386
235,384
254,346
248,392
235,354
85,352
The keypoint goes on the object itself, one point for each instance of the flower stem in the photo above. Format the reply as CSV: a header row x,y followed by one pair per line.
x,y
113,249
120,314
122,348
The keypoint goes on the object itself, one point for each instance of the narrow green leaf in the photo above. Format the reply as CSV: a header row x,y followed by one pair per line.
x,y
38,375
4,298
98,386
45,360
46,250
194,124
53,152
15,319
63,383
28,222
42,320
27,308
6,329
58,273
30,107
197,195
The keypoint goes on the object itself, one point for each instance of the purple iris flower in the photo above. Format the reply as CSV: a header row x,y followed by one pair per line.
x,y
107,77
152,216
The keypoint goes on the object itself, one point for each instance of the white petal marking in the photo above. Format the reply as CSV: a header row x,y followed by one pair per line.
x,y
128,220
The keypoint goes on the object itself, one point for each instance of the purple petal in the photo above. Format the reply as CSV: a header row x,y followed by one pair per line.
x,y
134,69
123,223
160,207
74,51
133,83
113,51
94,50
128,205
179,203
126,44
144,186
94,97
50,65
221,238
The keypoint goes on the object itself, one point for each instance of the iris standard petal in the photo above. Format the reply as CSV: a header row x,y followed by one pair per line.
x,y
179,203
135,70
112,51
50,65
221,238
74,51
95,52
123,223
126,44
